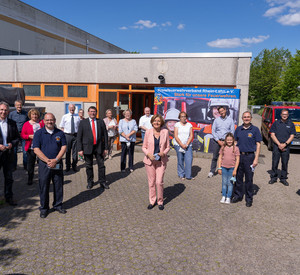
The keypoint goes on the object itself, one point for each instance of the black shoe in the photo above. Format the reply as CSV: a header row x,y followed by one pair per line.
x,y
89,186
272,181
104,185
284,182
161,207
235,200
67,169
249,203
43,215
61,211
11,202
74,168
29,182
150,206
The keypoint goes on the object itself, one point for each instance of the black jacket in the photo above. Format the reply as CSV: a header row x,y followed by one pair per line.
x,y
12,134
85,138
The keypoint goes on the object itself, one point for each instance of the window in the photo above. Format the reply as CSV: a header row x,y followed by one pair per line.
x,y
77,91
54,90
32,90
5,85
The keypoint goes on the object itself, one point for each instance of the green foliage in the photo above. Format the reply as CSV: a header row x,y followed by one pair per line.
x,y
265,75
291,80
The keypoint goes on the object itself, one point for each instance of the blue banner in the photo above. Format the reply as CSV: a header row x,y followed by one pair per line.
x,y
198,92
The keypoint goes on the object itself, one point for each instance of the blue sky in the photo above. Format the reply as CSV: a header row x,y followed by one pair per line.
x,y
173,26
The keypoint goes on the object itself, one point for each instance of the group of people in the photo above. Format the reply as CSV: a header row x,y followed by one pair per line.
x,y
235,156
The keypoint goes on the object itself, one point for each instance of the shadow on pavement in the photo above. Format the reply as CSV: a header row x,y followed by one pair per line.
x,y
171,192
7,255
195,171
112,177
83,197
12,217
255,189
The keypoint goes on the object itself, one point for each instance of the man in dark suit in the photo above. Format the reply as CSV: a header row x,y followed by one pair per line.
x,y
92,140
9,138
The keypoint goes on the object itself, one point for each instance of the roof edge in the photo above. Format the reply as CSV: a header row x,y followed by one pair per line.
x,y
129,56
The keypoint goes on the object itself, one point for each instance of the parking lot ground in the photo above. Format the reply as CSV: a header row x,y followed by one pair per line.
x,y
113,232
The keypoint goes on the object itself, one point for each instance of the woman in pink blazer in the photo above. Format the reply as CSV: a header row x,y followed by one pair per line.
x,y
155,147
28,130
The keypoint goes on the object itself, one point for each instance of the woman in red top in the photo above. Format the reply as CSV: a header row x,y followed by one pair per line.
x,y
28,130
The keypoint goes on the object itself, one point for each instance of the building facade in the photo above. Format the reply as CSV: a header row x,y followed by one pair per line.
x,y
124,80
27,30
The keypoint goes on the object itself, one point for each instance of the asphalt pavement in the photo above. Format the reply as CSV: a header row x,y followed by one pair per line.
x,y
112,231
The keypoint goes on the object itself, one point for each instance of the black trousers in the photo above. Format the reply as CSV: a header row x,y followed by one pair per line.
x,y
285,156
244,169
89,167
130,151
71,148
45,176
214,161
7,163
31,159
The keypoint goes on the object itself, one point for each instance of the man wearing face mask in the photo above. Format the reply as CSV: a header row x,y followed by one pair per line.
x,y
49,144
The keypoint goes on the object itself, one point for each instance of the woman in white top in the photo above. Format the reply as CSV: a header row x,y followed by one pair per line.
x,y
111,126
183,135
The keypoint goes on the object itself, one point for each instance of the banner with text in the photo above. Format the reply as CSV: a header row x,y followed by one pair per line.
x,y
201,106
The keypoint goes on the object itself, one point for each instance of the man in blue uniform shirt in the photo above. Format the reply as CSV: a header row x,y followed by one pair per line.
x,y
49,144
248,139
282,133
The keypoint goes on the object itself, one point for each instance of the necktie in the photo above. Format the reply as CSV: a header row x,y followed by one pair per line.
x,y
72,125
94,132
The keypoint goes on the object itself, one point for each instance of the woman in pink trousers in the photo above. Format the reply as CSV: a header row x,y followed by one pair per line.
x,y
155,147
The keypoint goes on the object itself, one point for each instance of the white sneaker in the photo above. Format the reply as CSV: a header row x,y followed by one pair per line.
x,y
227,200
222,200
210,175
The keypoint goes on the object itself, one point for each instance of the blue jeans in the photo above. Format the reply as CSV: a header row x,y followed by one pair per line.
x,y
227,185
184,162
143,135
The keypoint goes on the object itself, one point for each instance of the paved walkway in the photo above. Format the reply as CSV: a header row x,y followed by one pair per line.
x,y
112,232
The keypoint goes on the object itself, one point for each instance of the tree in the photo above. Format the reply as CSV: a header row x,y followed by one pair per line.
x,y
265,75
289,90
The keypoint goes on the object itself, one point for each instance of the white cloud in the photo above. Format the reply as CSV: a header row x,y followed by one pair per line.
x,y
237,42
167,24
290,19
255,40
181,26
123,28
286,12
155,48
225,43
141,24
274,11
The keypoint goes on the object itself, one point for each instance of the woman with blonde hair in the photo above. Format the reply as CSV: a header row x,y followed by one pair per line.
x,y
28,130
127,131
155,147
111,127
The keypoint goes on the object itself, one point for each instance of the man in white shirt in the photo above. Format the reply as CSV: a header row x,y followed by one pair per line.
x,y
9,138
144,122
69,124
